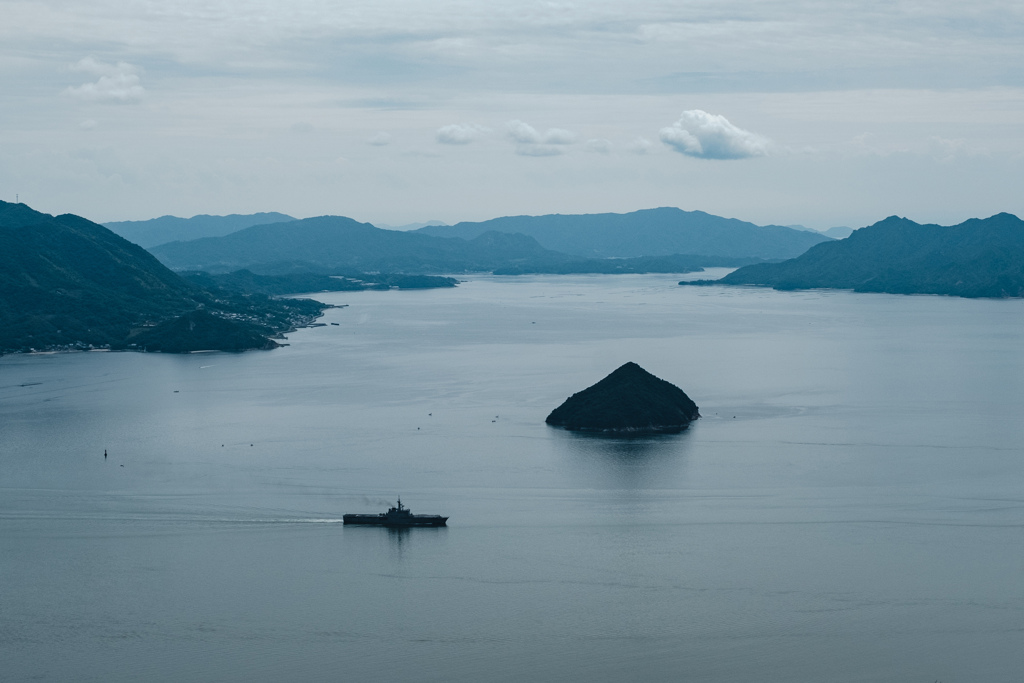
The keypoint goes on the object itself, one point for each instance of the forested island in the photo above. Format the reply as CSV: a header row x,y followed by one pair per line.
x,y
629,401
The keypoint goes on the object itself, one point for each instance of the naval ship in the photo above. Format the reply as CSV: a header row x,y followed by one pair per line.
x,y
396,516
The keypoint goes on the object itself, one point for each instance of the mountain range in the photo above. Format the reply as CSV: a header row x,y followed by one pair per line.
x,y
657,240
66,282
156,231
977,258
337,245
651,232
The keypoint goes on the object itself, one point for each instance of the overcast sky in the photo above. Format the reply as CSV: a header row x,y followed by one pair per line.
x,y
393,111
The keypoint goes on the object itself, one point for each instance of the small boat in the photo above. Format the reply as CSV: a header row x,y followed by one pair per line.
x,y
396,516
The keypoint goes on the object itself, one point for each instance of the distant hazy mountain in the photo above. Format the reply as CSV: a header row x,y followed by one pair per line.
x,y
977,258
171,228
68,282
409,226
336,245
652,232
840,232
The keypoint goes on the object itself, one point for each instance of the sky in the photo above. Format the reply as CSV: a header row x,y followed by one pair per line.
x,y
818,113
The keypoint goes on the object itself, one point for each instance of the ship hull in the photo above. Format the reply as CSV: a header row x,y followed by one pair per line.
x,y
382,520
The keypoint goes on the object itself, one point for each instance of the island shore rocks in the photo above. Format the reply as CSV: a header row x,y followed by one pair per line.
x,y
628,401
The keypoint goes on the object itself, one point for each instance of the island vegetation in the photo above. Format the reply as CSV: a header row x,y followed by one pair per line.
x,y
628,401
68,283
293,283
977,258
200,330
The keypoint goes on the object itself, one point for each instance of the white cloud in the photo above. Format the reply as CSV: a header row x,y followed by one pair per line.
x,y
711,136
523,133
88,124
640,146
599,145
380,139
559,136
117,82
460,133
530,142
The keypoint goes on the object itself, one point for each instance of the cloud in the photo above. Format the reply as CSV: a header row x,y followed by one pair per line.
x,y
530,142
559,136
599,145
711,136
460,133
117,82
88,124
380,139
949,150
640,146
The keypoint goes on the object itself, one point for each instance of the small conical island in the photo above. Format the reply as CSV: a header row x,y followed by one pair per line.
x,y
628,401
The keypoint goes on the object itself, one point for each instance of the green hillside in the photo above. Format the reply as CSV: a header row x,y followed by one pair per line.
x,y
977,258
66,282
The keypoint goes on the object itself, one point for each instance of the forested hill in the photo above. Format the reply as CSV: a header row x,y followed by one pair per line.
x,y
68,282
336,244
165,229
977,258
651,232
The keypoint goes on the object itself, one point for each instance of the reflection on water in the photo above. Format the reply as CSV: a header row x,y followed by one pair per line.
x,y
628,462
403,539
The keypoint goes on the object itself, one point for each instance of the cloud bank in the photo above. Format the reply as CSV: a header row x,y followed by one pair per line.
x,y
530,142
117,82
460,133
711,136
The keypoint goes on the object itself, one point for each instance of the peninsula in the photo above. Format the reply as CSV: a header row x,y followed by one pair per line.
x,y
67,283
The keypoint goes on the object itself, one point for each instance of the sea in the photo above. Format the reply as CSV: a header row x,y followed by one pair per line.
x,y
849,507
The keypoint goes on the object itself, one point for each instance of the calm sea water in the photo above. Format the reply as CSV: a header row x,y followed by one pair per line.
x,y
849,508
